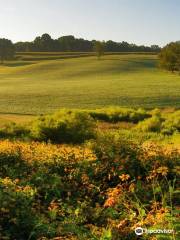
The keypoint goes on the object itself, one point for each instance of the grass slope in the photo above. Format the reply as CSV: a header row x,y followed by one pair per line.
x,y
34,87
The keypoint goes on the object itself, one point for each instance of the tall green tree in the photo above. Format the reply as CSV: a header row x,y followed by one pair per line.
x,y
170,57
44,43
99,48
6,49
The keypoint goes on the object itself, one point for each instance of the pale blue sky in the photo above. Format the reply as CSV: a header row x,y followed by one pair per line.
x,y
137,21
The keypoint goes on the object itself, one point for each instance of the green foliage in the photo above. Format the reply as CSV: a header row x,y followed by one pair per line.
x,y
12,130
170,57
6,49
64,127
16,209
117,114
70,43
167,125
172,123
152,124
112,149
99,48
107,235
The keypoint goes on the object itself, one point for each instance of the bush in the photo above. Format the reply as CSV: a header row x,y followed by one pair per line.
x,y
17,218
167,126
153,124
117,155
117,114
64,127
172,123
12,130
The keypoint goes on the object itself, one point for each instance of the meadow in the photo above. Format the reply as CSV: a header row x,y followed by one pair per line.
x,y
90,175
30,85
89,149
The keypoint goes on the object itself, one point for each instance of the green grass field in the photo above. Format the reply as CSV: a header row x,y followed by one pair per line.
x,y
35,86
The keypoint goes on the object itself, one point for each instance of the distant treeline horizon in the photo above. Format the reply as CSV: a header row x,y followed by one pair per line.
x,y
46,43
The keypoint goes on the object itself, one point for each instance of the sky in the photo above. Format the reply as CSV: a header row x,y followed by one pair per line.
x,y
144,22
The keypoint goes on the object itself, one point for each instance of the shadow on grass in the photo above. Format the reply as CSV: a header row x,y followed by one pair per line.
x,y
16,64
143,63
15,113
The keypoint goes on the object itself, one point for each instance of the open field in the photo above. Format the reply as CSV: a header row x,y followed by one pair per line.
x,y
38,56
16,118
35,87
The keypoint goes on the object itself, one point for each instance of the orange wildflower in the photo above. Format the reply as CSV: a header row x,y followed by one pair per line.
x,y
124,177
110,202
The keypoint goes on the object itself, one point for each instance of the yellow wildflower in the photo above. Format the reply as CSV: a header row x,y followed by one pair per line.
x,y
163,171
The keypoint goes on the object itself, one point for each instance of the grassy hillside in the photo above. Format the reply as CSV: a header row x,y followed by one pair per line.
x,y
34,56
34,87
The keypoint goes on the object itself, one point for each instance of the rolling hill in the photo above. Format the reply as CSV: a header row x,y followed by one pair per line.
x,y
35,86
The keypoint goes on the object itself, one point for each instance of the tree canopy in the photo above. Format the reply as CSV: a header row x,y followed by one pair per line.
x,y
69,43
6,49
99,48
170,57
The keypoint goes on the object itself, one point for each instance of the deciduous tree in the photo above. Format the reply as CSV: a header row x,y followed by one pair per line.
x,y
6,49
99,48
170,57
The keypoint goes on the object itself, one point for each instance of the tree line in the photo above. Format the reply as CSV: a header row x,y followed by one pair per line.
x,y
45,43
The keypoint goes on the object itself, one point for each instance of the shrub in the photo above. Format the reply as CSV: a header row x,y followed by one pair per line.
x,y
116,114
66,127
116,155
156,112
17,218
153,124
168,125
172,123
12,130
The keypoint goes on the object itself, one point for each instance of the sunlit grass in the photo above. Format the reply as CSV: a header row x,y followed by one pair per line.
x,y
127,80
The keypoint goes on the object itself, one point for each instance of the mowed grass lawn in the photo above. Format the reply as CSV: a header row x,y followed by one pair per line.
x,y
130,80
